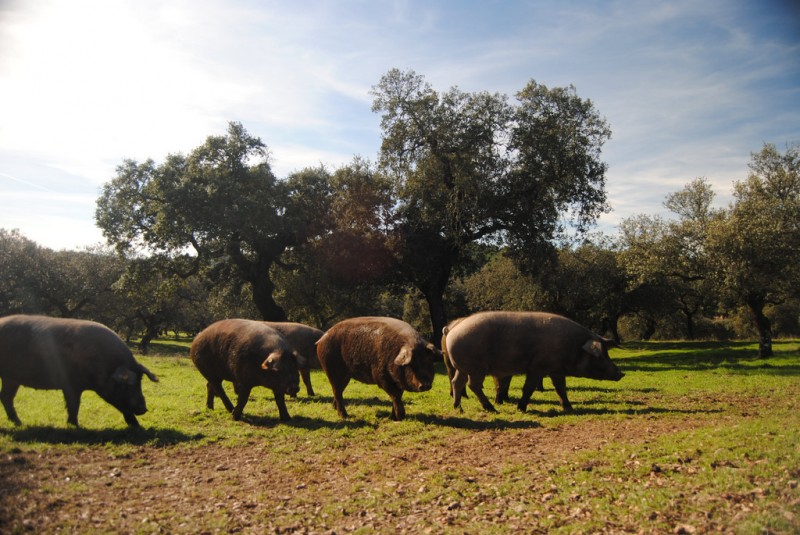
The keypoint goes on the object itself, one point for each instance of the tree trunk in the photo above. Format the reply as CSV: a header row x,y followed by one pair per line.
x,y
152,326
611,325
438,315
650,329
144,343
262,297
763,325
433,290
257,274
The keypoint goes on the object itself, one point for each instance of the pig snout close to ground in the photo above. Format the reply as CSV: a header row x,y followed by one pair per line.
x,y
303,340
377,350
248,354
536,344
70,355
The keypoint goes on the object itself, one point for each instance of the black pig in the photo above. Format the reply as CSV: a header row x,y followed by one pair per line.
x,y
69,355
534,343
247,353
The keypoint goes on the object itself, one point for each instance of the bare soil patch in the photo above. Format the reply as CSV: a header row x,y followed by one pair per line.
x,y
253,488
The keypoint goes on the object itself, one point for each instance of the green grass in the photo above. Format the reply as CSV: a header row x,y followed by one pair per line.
x,y
712,444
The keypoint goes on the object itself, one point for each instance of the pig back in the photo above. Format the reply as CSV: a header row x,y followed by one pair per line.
x,y
235,348
366,345
303,339
501,342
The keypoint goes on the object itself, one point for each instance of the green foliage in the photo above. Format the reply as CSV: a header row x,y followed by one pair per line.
x,y
62,283
222,201
669,261
756,243
558,172
500,285
471,167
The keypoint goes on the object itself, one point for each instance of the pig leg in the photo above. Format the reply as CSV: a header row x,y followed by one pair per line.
x,y
338,384
73,400
501,386
398,409
215,389
7,394
533,382
130,419
457,386
475,384
560,384
306,376
243,395
281,403
450,371
209,396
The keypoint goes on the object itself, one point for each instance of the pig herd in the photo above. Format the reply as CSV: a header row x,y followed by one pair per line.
x,y
77,355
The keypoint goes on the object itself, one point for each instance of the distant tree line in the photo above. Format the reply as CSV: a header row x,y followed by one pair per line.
x,y
475,203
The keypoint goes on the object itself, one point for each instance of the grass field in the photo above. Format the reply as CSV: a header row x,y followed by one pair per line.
x,y
697,437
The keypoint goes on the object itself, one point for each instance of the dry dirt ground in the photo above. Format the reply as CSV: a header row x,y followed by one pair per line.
x,y
252,488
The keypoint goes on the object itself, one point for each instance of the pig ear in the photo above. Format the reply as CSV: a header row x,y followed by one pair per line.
x,y
404,357
302,362
593,347
148,373
124,375
272,362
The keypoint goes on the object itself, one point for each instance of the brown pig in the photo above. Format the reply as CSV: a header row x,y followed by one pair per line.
x,y
303,340
377,350
70,355
533,343
247,353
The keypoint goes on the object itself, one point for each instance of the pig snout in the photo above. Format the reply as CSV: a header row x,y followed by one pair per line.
x,y
613,373
135,403
293,388
423,383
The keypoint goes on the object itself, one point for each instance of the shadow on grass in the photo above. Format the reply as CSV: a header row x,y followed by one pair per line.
x,y
372,401
552,408
550,390
643,410
462,422
91,437
304,422
698,356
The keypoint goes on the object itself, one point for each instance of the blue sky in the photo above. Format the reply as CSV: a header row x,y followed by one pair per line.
x,y
690,88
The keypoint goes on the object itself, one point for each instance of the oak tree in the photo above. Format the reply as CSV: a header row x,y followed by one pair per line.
x,y
756,242
221,202
471,167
